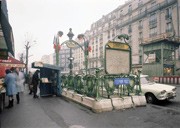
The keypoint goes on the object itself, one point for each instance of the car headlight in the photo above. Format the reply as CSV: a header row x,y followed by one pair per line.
x,y
174,89
163,92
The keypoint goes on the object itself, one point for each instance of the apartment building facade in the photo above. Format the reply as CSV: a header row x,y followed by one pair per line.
x,y
64,54
48,59
144,21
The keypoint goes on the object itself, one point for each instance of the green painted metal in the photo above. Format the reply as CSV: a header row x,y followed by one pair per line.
x,y
164,51
102,86
64,81
78,84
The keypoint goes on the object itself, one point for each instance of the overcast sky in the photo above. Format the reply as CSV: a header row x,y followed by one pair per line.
x,y
40,20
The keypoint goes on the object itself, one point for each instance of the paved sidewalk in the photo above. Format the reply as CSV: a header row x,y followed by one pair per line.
x,y
28,114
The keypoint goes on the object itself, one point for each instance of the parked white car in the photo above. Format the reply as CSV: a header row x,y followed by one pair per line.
x,y
154,91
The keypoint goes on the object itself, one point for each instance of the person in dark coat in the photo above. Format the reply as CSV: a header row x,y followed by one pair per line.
x,y
35,82
10,83
29,82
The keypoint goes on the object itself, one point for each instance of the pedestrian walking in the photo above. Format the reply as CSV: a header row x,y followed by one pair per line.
x,y
10,84
29,82
35,82
20,81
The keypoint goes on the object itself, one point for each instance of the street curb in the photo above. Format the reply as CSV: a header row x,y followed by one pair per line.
x,y
104,105
139,101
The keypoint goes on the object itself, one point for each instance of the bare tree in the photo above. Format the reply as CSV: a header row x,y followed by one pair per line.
x,y
28,44
22,57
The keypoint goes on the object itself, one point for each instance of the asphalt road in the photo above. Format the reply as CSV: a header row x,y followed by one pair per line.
x,y
57,112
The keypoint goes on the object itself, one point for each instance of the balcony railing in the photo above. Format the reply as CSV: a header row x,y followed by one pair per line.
x,y
163,36
140,4
168,17
169,30
153,23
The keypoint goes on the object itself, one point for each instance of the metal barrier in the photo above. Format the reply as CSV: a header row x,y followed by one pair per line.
x,y
105,86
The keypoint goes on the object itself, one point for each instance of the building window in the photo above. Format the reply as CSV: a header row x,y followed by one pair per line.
x,y
153,3
140,3
121,21
121,13
140,26
121,31
129,29
101,37
153,32
153,20
130,40
168,13
169,27
113,33
96,40
140,11
140,35
130,8
130,17
109,24
108,34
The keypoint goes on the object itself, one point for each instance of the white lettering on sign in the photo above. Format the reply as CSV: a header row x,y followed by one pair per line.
x,y
6,61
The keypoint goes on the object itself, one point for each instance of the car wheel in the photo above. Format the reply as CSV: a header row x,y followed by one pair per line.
x,y
150,98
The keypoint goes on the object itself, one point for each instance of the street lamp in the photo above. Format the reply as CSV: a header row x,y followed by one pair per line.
x,y
70,35
57,46
86,49
71,44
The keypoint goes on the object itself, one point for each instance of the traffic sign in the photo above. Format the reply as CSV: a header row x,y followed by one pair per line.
x,y
121,81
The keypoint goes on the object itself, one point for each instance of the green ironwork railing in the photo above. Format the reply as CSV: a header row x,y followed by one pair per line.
x,y
102,86
117,80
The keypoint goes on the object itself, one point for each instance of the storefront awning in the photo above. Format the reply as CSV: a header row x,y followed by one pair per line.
x,y
11,62
39,65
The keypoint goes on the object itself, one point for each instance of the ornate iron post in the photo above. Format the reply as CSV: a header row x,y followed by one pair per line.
x,y
86,50
70,35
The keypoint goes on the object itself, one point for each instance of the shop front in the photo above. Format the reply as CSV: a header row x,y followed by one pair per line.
x,y
6,64
6,37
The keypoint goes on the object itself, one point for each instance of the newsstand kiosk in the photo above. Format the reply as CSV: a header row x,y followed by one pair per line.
x,y
50,79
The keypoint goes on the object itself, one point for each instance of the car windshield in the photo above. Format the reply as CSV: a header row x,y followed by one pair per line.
x,y
146,80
